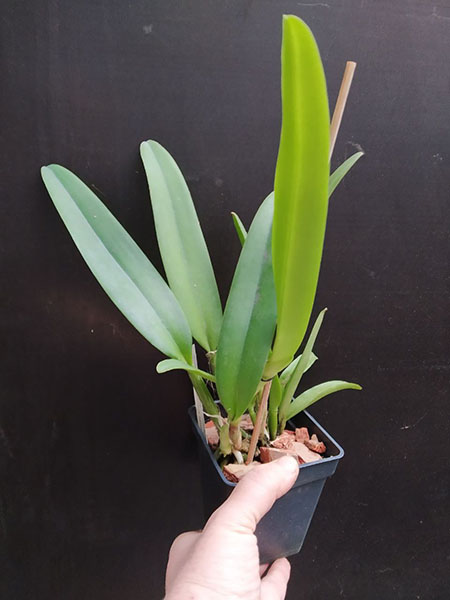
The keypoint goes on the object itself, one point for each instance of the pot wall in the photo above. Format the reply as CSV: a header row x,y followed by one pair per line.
x,y
283,529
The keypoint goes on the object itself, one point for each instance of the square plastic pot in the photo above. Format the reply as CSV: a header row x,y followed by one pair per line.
x,y
283,529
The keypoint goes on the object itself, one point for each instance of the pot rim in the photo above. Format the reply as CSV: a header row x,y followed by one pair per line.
x,y
329,438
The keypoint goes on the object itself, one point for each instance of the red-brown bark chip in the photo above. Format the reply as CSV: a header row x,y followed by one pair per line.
x,y
246,423
234,472
212,435
304,453
301,434
314,444
284,440
270,454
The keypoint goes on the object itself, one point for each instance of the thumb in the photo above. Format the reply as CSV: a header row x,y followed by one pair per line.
x,y
255,494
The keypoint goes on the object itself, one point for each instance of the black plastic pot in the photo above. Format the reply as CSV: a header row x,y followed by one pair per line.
x,y
283,529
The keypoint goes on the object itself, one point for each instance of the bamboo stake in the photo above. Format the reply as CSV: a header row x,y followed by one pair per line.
x,y
340,102
262,409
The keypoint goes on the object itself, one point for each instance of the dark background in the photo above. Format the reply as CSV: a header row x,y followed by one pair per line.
x,y
98,468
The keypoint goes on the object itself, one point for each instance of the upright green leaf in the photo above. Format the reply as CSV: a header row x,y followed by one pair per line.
x,y
316,393
249,318
341,171
239,226
121,268
286,375
301,189
302,365
183,249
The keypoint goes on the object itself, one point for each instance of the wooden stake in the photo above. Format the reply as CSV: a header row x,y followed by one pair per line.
x,y
340,103
262,410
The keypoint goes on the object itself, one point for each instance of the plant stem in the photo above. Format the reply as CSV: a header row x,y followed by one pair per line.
x,y
209,406
282,411
236,435
262,409
263,431
251,412
225,442
211,356
273,423
275,398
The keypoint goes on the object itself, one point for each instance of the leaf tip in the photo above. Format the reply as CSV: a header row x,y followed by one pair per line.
x,y
143,146
160,367
47,170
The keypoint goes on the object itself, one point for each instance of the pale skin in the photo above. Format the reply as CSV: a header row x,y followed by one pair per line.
x,y
222,561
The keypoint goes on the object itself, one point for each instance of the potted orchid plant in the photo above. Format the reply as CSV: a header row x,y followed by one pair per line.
x,y
248,394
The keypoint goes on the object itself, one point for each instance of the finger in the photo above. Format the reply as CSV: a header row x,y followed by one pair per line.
x,y
255,494
180,550
274,584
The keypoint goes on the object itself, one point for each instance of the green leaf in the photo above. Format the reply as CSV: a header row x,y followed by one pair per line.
x,y
171,364
287,373
341,172
249,318
239,226
302,365
274,403
121,268
316,393
301,189
183,249
209,406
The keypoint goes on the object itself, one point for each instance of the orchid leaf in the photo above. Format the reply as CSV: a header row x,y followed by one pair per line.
x,y
249,318
338,175
171,364
316,393
121,268
301,189
183,249
305,358
287,373
240,229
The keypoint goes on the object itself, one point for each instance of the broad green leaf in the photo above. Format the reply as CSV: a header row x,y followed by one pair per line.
x,y
249,318
302,365
121,268
316,393
287,373
341,172
239,226
183,249
301,189
171,364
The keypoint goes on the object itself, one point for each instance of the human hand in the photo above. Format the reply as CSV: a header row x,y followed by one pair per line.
x,y
222,561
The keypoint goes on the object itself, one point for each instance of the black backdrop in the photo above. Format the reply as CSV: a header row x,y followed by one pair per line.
x,y
98,468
